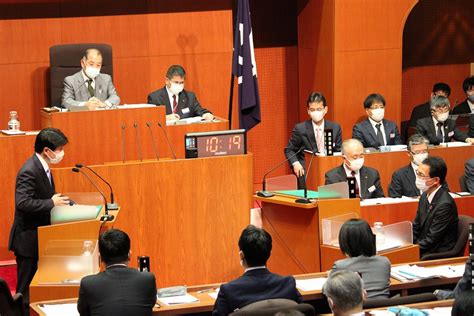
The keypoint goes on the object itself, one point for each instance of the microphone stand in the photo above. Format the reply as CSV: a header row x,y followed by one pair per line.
x,y
304,199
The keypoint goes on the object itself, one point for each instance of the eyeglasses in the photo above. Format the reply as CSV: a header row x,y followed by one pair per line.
x,y
419,174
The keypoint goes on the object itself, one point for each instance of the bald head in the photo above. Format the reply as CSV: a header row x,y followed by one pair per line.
x,y
351,147
91,52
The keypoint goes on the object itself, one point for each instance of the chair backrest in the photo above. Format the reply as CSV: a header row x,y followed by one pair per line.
x,y
273,306
463,234
400,300
9,306
462,183
65,61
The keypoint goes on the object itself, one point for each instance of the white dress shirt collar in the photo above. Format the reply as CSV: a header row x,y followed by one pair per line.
x,y
87,79
432,194
43,163
255,268
170,97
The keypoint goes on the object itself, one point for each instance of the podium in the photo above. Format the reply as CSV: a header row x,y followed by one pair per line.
x,y
67,252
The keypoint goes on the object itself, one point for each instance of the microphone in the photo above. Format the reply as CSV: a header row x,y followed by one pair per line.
x,y
263,192
304,199
123,143
167,140
137,138
148,124
112,205
106,217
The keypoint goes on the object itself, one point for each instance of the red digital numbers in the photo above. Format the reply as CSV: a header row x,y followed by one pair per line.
x,y
212,144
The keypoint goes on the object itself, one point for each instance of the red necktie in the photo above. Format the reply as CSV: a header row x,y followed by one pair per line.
x,y
175,104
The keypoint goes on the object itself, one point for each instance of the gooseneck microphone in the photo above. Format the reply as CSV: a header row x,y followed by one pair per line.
x,y
123,143
304,199
263,192
106,217
137,139
112,205
167,140
148,124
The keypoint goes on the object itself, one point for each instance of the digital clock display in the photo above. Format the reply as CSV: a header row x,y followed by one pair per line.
x,y
212,144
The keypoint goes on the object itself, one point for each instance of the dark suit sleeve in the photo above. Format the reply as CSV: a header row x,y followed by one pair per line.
x,y
298,297
151,295
82,304
294,144
328,179
357,134
397,140
420,129
150,99
25,194
458,135
464,284
416,223
469,173
395,187
338,138
198,109
441,220
379,192
221,306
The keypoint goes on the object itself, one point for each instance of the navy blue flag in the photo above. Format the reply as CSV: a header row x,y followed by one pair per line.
x,y
245,68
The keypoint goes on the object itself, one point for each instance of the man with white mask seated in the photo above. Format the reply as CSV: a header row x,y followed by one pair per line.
x,y
367,179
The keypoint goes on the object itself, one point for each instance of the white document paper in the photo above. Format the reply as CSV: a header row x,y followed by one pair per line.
x,y
69,309
214,294
386,200
313,284
181,299
135,106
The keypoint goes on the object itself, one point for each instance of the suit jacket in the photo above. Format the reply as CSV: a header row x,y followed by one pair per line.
x,y
462,108
403,183
463,285
75,90
469,173
471,126
188,104
117,291
253,286
369,178
427,128
33,206
366,133
419,112
435,228
303,136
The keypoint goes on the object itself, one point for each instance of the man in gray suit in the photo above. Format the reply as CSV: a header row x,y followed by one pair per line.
x,y
367,179
89,87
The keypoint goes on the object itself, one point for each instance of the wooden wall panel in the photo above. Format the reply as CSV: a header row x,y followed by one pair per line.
x,y
131,78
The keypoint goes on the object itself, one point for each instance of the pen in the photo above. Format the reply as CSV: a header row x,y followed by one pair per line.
x,y
206,290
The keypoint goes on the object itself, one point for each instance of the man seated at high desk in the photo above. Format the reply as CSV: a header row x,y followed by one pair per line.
x,y
119,290
367,179
179,103
424,110
89,87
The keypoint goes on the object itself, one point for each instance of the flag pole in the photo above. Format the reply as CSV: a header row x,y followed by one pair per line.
x,y
231,99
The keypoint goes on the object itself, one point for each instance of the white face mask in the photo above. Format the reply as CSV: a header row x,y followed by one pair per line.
x,y
356,164
377,114
442,117
418,158
92,72
57,159
421,184
176,88
316,116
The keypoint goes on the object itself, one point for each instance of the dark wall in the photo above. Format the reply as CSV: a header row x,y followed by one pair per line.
x,y
439,32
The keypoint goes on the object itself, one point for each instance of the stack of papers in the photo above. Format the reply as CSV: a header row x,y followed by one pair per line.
x,y
69,309
414,272
315,284
387,200
181,299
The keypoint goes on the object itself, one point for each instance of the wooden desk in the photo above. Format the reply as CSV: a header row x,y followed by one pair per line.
x,y
95,137
388,162
206,303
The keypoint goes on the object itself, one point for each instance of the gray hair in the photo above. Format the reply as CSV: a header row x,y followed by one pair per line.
x,y
439,101
349,143
345,289
417,139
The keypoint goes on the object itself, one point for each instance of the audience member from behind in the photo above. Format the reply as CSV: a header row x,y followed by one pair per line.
x,y
403,180
357,242
257,283
469,175
118,290
309,135
89,87
376,131
424,110
435,228
464,304
439,128
467,106
345,293
367,179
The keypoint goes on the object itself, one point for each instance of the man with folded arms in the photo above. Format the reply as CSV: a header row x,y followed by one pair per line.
x,y
118,290
89,87
257,283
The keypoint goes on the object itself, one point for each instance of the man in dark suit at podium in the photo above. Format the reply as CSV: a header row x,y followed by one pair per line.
x,y
119,290
257,283
179,103
34,198
435,228
367,179
309,135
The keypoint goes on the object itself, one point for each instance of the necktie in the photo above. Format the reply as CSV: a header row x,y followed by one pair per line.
x,y
48,173
439,132
90,88
353,173
319,142
379,135
175,104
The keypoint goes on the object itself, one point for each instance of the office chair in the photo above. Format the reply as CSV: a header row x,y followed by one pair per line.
x,y
65,61
273,306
